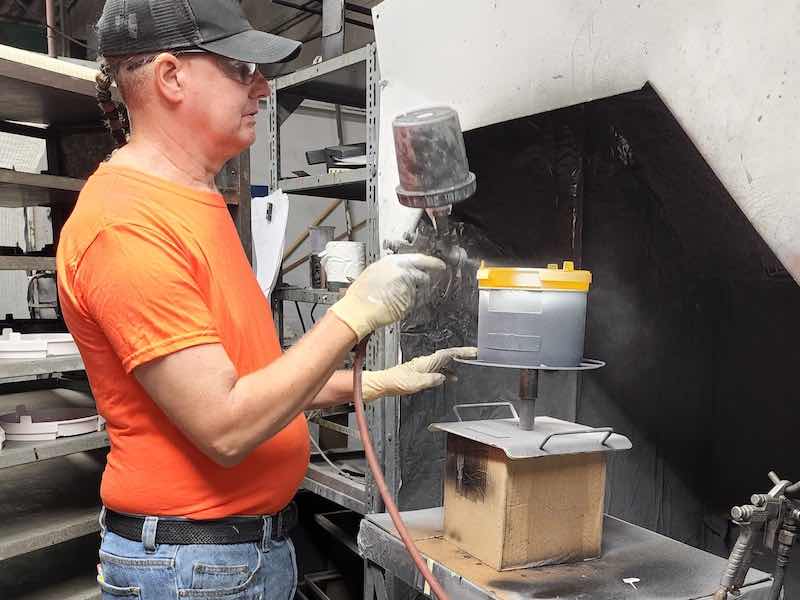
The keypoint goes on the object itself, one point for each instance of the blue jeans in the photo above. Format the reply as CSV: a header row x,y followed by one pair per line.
x,y
147,571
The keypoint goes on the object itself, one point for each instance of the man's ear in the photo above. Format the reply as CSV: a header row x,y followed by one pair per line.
x,y
170,77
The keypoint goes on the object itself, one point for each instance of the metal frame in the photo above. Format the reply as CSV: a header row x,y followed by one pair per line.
x,y
349,185
14,454
337,80
36,88
307,295
239,170
41,366
384,345
18,189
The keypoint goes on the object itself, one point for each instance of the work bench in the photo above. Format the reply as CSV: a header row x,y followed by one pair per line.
x,y
657,567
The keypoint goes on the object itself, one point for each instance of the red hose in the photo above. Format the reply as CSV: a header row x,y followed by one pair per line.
x,y
374,466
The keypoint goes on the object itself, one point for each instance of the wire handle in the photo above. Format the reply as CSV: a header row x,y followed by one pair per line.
x,y
607,430
508,404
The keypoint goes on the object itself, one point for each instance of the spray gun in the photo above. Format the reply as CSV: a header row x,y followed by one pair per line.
x,y
434,175
770,522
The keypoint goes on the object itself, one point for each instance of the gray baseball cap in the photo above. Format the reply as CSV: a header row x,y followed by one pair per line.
x,y
219,26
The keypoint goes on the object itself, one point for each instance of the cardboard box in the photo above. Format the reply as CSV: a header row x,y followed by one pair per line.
x,y
516,513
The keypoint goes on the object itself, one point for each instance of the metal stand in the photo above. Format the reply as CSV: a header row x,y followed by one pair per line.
x,y
528,392
529,384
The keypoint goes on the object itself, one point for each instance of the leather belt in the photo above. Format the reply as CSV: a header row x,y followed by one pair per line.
x,y
231,530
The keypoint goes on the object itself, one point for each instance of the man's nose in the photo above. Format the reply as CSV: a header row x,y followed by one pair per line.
x,y
260,87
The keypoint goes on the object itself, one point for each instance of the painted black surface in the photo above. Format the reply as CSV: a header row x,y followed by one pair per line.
x,y
466,467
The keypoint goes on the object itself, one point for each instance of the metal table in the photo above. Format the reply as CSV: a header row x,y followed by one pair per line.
x,y
666,569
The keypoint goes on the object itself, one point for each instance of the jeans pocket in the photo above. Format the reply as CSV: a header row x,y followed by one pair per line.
x,y
219,571
111,592
211,577
132,576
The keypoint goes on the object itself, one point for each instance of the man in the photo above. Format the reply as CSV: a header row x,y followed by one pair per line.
x,y
205,415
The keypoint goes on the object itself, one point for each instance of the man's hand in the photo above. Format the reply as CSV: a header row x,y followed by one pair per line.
x,y
414,376
385,291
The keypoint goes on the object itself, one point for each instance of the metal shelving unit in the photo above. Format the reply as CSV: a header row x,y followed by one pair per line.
x,y
27,263
55,526
19,189
51,95
40,366
79,588
62,506
340,80
307,295
325,481
22,453
59,500
350,80
348,185
14,454
35,88
56,100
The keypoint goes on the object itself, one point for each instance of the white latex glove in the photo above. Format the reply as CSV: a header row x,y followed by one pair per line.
x,y
385,291
414,376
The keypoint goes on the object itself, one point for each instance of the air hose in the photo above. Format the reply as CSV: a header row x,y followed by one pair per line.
x,y
377,474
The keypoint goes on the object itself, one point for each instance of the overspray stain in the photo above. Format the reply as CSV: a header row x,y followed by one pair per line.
x,y
466,468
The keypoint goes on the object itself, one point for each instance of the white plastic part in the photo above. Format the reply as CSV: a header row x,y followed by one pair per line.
x,y
49,424
59,344
14,345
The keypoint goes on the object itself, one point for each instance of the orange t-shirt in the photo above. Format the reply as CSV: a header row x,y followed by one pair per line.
x,y
146,268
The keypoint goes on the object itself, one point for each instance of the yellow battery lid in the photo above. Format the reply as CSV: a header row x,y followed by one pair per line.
x,y
552,278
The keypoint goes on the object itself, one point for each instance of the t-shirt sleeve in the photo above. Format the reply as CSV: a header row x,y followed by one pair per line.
x,y
143,290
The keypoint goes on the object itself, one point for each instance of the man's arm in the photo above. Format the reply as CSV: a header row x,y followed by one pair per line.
x,y
337,390
408,378
226,417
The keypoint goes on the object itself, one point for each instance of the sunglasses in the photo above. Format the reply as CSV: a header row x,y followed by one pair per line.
x,y
238,70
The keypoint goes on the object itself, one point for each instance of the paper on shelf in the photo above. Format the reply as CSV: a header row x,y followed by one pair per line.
x,y
269,216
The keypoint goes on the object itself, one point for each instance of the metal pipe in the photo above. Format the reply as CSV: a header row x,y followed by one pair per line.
x,y
318,221
62,23
50,10
528,392
318,11
333,28
339,125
